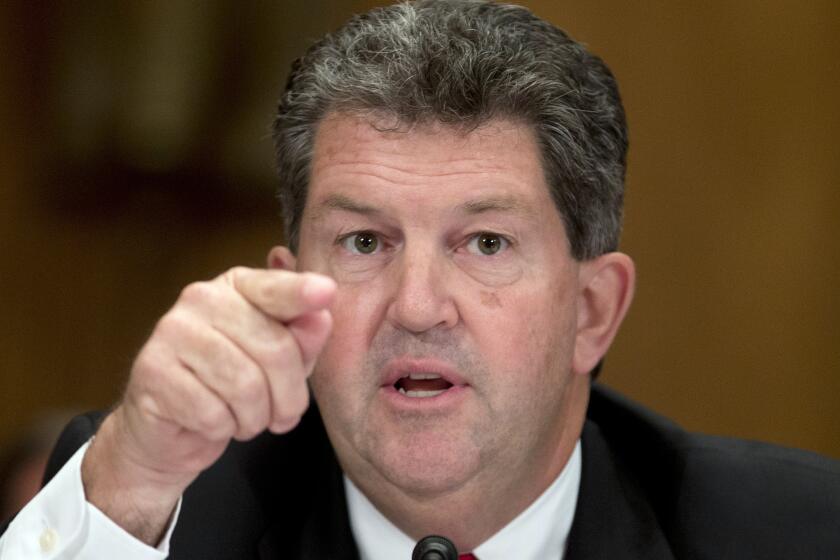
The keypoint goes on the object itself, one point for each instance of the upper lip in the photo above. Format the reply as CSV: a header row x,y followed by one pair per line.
x,y
398,368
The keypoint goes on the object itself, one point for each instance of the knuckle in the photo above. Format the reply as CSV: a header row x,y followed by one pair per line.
x,y
217,348
212,420
284,425
248,386
283,350
269,291
197,292
145,363
230,275
224,430
172,324
249,429
301,404
293,404
149,371
252,423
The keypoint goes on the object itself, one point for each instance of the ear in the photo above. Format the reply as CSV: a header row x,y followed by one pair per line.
x,y
282,258
606,285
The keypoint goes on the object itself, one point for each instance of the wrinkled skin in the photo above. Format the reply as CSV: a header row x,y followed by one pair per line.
x,y
515,324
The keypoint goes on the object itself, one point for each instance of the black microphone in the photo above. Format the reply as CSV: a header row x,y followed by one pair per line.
x,y
434,547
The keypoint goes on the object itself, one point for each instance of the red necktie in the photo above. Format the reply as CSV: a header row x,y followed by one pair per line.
x,y
466,557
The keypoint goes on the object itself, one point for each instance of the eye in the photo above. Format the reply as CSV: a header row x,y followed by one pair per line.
x,y
487,243
360,243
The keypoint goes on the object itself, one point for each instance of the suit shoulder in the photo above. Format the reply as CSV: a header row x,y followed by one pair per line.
x,y
759,499
726,497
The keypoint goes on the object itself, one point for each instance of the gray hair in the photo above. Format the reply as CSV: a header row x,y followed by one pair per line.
x,y
463,63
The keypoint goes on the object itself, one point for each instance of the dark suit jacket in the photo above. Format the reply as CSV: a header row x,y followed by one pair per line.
x,y
648,490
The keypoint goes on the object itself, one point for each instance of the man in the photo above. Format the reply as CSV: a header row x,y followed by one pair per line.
x,y
452,178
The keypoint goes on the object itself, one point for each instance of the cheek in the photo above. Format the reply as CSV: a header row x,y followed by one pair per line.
x,y
493,273
526,336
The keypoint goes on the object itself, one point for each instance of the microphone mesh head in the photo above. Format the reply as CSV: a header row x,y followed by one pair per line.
x,y
434,547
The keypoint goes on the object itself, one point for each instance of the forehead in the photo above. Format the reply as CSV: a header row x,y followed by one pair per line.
x,y
356,158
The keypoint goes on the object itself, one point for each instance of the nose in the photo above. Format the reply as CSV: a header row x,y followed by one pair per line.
x,y
422,299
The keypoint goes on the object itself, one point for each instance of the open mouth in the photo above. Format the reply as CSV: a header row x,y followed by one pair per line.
x,y
422,385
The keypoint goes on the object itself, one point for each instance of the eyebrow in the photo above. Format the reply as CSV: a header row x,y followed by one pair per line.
x,y
496,204
471,207
341,202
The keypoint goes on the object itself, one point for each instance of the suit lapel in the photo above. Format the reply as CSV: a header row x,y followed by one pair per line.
x,y
324,535
612,519
318,527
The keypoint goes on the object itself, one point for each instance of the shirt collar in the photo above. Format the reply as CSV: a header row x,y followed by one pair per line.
x,y
540,531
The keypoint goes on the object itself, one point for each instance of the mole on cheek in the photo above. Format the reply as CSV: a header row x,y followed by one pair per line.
x,y
490,299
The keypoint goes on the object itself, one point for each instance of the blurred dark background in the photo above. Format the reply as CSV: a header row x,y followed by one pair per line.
x,y
135,158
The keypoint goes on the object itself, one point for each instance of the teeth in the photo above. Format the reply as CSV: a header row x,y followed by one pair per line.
x,y
423,376
420,394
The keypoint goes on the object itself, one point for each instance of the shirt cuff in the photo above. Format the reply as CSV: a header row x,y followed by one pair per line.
x,y
60,523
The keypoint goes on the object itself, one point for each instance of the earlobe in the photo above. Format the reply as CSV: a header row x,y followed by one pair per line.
x,y
282,258
607,284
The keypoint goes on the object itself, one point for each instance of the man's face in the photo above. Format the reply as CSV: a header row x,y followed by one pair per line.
x,y
455,318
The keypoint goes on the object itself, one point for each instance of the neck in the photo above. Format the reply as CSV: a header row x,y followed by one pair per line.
x,y
480,507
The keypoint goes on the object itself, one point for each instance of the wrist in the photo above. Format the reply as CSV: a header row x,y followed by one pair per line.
x,y
134,495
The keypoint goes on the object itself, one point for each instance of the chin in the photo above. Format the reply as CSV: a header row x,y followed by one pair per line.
x,y
427,465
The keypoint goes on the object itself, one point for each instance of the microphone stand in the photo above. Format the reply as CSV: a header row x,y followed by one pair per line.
x,y
434,547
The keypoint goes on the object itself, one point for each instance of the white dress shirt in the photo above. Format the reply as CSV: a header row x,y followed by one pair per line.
x,y
59,524
538,533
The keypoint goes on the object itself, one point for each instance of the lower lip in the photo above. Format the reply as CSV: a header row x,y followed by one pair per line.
x,y
449,398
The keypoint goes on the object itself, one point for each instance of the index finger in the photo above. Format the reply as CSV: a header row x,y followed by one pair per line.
x,y
283,294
